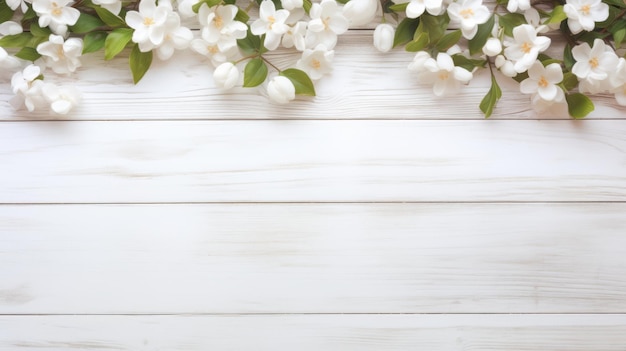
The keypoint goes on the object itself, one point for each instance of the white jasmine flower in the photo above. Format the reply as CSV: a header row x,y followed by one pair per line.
x,y
281,90
290,5
593,66
176,37
470,13
63,56
27,89
219,25
417,65
505,66
525,47
326,23
10,28
212,51
383,37
583,14
149,24
226,75
294,37
56,14
271,23
22,4
514,5
317,62
416,8
445,77
61,99
360,12
543,81
114,6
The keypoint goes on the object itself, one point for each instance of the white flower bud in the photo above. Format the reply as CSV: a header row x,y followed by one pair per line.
x,y
360,12
417,65
383,37
492,47
226,75
505,66
292,4
281,90
10,28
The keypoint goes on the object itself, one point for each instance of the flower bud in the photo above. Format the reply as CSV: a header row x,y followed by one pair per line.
x,y
383,37
492,47
226,75
505,66
360,12
418,62
289,5
281,90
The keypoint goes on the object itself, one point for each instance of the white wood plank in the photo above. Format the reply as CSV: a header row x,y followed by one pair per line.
x,y
243,161
364,84
313,258
315,332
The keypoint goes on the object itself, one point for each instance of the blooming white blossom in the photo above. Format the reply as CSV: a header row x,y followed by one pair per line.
x,y
470,13
22,4
271,23
594,65
360,12
281,90
583,14
383,37
445,77
10,28
525,46
417,65
56,14
114,6
63,56
326,23
61,99
316,62
212,51
416,8
295,36
226,75
219,25
543,81
28,89
176,37
148,24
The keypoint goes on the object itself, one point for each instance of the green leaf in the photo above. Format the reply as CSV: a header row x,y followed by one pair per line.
x,y
435,26
467,63
520,77
30,14
448,40
307,4
209,3
109,18
16,41
251,44
618,3
242,16
510,21
254,73
86,23
418,43
400,8
405,31
28,54
578,105
94,41
570,81
139,63
618,29
557,15
300,80
116,41
37,31
568,58
490,100
484,32
5,12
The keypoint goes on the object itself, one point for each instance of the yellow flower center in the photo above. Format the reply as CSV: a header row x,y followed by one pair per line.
x,y
443,75
467,13
594,62
148,21
219,22
526,47
543,82
56,10
213,49
316,64
585,9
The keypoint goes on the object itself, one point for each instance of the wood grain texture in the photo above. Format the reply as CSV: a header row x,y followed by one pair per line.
x,y
313,258
304,161
365,84
315,332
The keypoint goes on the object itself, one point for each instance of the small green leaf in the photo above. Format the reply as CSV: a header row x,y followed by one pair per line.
x,y
307,4
557,15
568,58
405,31
300,80
418,43
94,41
86,23
116,42
520,77
30,14
209,3
28,54
570,81
251,44
16,41
578,105
493,95
139,63
254,73
448,40
510,21
435,26
484,32
242,16
109,18
5,12
399,8
467,63
37,31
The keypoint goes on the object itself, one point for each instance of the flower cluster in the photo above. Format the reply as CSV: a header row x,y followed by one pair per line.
x,y
451,39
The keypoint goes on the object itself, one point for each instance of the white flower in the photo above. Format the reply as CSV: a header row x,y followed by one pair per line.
x,y
22,4
383,37
492,47
7,62
533,18
290,5
360,12
114,6
27,89
417,65
583,14
281,90
63,56
149,24
514,5
226,75
56,14
176,37
505,66
416,8
294,37
10,28
543,81
271,23
525,47
212,51
316,62
61,99
445,77
594,63
219,25
326,23
470,13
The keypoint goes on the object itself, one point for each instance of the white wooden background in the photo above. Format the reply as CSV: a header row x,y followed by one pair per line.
x,y
173,216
